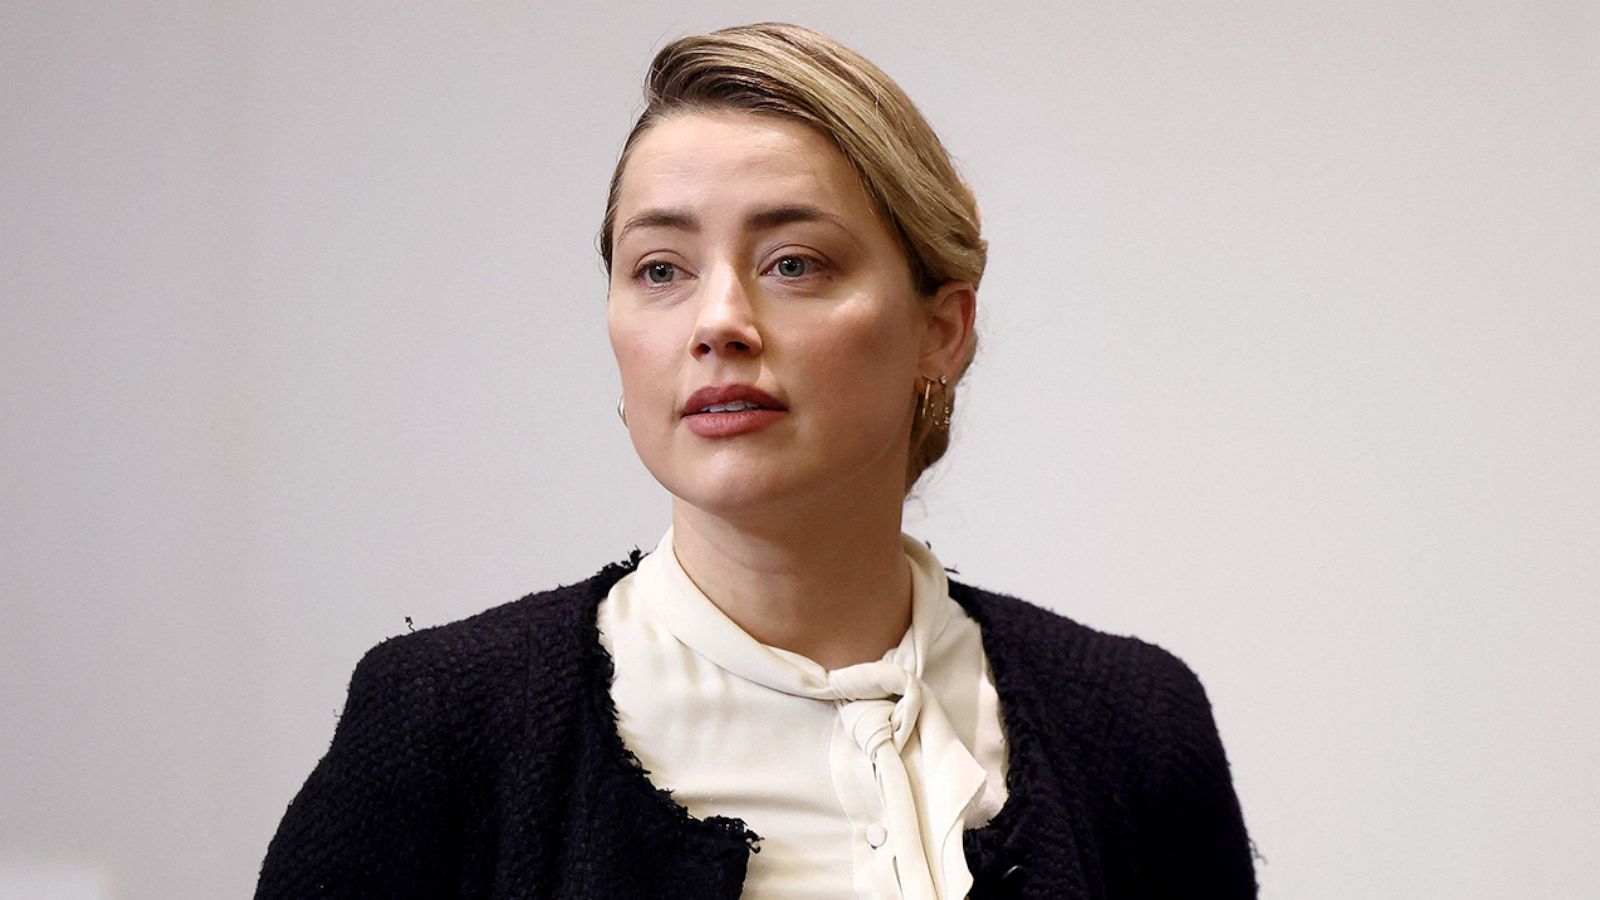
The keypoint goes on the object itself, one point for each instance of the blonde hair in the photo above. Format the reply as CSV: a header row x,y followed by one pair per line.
x,y
793,72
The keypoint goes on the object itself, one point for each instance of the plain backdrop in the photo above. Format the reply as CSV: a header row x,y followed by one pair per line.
x,y
1290,363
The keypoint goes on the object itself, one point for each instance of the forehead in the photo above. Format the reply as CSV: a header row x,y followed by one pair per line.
x,y
726,161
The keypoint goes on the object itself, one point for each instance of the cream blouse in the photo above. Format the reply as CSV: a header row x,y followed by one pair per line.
x,y
860,780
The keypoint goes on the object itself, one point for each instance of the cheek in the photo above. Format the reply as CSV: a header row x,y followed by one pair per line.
x,y
641,356
647,360
865,368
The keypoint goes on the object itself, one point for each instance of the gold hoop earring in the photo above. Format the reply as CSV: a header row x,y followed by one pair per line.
x,y
622,410
942,418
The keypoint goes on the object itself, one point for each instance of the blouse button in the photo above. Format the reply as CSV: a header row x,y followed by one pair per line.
x,y
876,835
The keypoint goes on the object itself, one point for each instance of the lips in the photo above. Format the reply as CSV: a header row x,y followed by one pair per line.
x,y
737,417
729,393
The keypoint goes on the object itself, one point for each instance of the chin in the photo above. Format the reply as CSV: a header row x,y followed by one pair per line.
x,y
744,486
734,499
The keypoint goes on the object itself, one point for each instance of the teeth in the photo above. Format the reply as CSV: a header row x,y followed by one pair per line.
x,y
735,406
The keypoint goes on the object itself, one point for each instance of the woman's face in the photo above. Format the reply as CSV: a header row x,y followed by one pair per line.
x,y
748,266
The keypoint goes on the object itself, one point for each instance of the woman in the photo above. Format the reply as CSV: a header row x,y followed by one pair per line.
x,y
786,698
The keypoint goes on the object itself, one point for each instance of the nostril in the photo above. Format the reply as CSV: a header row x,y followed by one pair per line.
x,y
701,346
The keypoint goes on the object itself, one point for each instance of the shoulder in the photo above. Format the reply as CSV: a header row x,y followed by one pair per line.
x,y
1054,644
451,669
429,717
1082,675
1130,722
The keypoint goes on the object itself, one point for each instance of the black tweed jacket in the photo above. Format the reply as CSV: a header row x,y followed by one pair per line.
x,y
481,759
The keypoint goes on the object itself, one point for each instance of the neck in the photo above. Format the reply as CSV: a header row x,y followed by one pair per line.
x,y
835,589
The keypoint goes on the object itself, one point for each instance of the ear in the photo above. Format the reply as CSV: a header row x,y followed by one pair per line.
x,y
948,332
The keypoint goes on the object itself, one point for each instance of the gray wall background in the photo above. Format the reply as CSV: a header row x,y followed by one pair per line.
x,y
1289,364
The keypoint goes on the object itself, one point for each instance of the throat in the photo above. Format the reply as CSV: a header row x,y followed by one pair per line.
x,y
837,611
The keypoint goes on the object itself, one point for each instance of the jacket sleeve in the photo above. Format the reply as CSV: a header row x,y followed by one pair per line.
x,y
1193,842
374,817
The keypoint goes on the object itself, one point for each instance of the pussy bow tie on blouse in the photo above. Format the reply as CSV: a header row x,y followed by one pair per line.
x,y
882,706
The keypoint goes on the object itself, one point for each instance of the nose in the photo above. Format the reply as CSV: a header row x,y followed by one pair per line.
x,y
727,323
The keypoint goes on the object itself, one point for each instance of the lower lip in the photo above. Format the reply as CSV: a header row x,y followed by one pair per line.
x,y
728,424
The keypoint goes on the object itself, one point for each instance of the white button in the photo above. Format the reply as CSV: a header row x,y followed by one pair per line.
x,y
876,835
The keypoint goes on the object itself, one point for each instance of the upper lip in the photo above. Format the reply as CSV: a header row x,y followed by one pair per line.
x,y
728,393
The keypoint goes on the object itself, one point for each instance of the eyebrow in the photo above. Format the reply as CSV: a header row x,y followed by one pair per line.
x,y
764,219
659,218
759,220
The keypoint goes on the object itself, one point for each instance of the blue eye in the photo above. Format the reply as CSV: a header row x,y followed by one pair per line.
x,y
792,266
660,272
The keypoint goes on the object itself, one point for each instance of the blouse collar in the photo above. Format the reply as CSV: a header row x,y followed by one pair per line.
x,y
881,705
676,603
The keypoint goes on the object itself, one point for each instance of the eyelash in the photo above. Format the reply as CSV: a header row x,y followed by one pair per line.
x,y
642,274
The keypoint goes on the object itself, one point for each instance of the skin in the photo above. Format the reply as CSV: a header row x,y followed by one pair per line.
x,y
792,531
